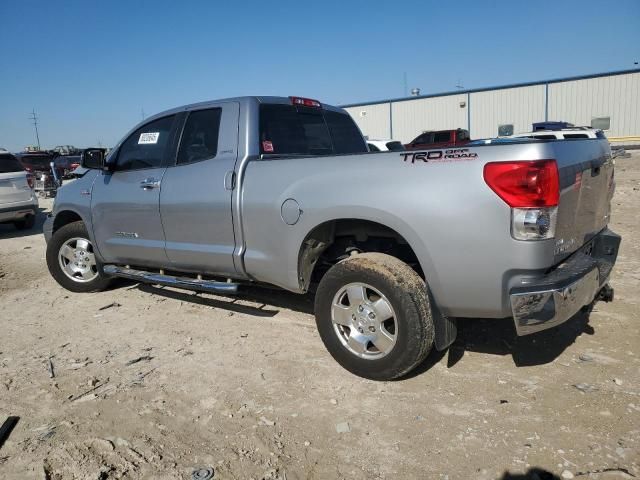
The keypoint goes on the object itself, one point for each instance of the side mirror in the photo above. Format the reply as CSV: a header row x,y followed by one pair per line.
x,y
93,158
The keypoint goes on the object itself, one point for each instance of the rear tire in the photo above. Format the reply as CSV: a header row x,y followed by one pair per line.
x,y
26,223
72,261
373,315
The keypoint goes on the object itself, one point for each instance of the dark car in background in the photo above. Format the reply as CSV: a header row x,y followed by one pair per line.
x,y
38,167
439,138
37,161
67,164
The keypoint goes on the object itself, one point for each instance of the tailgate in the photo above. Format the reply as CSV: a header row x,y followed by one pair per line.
x,y
14,188
586,188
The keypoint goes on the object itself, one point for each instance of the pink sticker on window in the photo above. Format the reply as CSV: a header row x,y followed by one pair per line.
x,y
267,146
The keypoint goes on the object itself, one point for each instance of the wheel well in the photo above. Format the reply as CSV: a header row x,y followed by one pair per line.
x,y
65,217
335,240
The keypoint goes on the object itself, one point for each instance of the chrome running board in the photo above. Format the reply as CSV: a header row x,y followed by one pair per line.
x,y
170,280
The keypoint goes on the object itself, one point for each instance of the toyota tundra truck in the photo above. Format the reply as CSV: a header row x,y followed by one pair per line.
x,y
281,191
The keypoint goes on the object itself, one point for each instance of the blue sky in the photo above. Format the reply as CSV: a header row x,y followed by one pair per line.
x,y
89,67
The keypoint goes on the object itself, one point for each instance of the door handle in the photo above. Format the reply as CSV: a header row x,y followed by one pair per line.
x,y
149,183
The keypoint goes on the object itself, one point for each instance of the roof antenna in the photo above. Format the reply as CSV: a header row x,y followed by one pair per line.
x,y
459,85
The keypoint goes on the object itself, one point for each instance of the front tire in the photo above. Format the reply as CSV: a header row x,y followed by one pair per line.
x,y
72,261
373,315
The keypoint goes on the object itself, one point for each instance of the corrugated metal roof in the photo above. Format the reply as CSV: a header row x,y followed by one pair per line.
x,y
499,87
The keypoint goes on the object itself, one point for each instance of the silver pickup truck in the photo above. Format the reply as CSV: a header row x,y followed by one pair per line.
x,y
283,192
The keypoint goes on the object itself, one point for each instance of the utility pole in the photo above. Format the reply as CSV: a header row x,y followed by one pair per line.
x,y
34,119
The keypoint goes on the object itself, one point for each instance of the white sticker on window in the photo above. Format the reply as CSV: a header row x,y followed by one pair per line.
x,y
149,137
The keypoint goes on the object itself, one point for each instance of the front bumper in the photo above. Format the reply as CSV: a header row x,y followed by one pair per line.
x,y
556,297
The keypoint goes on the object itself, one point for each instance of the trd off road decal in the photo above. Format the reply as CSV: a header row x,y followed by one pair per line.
x,y
440,156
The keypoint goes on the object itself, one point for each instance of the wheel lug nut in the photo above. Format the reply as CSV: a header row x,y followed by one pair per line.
x,y
360,308
360,329
372,329
372,315
353,317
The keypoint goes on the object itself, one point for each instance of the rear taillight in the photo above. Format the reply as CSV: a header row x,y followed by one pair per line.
x,y
524,184
305,102
30,179
532,190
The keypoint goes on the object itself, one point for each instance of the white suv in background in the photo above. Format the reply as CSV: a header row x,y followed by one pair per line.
x,y
18,202
384,145
563,134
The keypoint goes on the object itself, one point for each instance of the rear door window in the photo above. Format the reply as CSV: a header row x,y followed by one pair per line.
x,y
297,130
10,164
200,136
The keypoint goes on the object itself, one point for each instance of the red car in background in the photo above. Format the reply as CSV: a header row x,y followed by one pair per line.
x,y
439,138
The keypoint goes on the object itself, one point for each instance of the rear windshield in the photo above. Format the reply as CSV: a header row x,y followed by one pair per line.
x,y
36,161
9,163
296,130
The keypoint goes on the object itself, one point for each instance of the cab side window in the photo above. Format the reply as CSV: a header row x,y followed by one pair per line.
x,y
147,146
200,136
441,137
424,138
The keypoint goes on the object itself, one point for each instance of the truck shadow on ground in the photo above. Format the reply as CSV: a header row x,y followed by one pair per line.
x,y
7,230
498,337
490,336
531,474
255,301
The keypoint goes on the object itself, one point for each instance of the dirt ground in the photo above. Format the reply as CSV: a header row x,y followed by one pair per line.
x,y
163,382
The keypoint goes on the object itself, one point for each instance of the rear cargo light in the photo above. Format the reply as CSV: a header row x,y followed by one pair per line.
x,y
306,102
532,190
524,184
30,179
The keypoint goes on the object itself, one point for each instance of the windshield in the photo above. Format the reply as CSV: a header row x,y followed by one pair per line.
x,y
289,129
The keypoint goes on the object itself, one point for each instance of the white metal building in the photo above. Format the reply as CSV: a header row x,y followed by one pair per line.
x,y
610,101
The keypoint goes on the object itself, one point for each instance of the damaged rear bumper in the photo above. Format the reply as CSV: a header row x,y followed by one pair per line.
x,y
556,297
